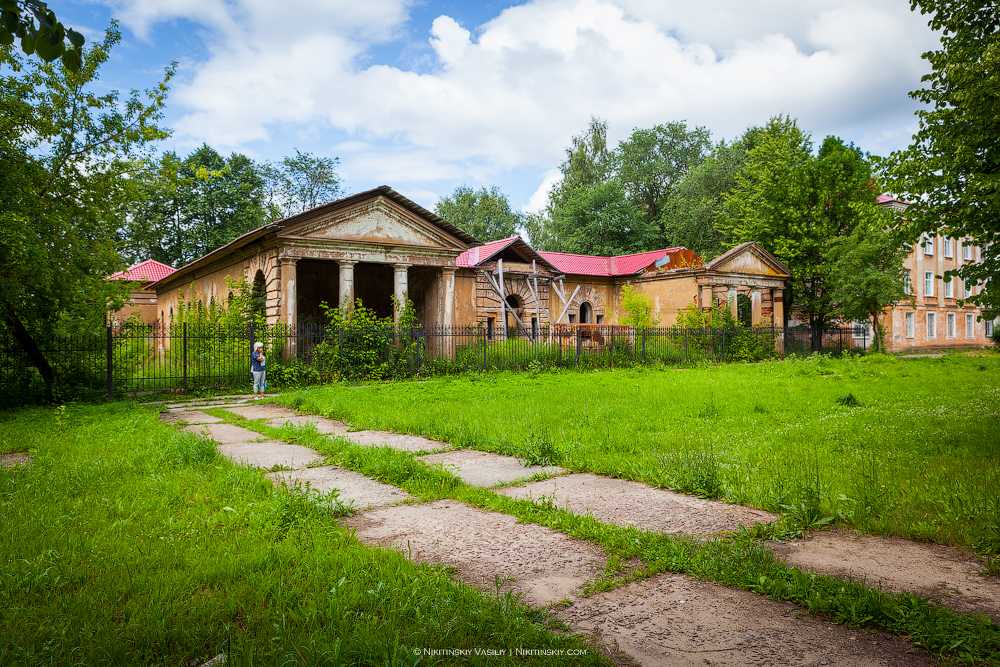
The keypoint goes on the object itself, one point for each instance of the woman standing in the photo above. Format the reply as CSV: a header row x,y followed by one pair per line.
x,y
257,370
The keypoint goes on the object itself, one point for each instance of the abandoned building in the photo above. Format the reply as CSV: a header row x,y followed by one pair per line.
x,y
376,245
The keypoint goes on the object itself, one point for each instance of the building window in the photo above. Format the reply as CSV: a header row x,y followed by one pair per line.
x,y
968,290
534,327
907,283
950,320
928,283
572,319
860,330
586,313
967,249
949,289
909,326
947,248
490,322
600,319
928,244
970,325
989,327
931,329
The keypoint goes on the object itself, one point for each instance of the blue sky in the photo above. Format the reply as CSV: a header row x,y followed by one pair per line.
x,y
425,96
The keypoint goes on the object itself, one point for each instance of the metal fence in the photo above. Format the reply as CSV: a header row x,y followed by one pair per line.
x,y
129,358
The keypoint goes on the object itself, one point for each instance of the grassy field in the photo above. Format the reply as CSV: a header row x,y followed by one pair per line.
x,y
905,447
127,542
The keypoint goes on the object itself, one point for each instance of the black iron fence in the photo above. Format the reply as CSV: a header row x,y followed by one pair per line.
x,y
129,358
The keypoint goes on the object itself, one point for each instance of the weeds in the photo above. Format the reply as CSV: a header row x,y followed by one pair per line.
x,y
539,451
848,400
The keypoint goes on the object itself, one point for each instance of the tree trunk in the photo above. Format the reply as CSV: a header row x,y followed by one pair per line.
x,y
30,347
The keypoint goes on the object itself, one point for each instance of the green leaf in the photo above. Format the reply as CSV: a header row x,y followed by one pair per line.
x,y
71,60
76,38
48,51
6,37
28,44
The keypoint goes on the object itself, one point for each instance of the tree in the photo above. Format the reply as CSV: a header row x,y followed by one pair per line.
x,y
486,214
600,220
68,156
867,271
796,205
306,181
692,214
192,206
629,186
40,32
652,162
951,171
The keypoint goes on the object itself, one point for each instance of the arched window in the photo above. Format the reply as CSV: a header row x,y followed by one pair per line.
x,y
586,313
513,301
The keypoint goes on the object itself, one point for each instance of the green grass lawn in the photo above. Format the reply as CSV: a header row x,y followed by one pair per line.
x,y
127,542
917,456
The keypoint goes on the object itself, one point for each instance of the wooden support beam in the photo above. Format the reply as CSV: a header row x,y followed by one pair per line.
x,y
566,307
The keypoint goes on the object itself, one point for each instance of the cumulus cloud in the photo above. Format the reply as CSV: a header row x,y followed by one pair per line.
x,y
512,92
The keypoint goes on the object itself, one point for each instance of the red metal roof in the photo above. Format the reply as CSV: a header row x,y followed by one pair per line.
x,y
144,272
590,265
481,253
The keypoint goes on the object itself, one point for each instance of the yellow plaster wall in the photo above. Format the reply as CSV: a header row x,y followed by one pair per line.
x,y
669,294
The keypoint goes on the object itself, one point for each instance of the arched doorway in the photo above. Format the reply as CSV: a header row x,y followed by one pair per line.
x,y
515,304
586,313
258,294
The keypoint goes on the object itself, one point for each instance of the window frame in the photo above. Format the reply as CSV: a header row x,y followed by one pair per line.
x,y
928,245
967,253
910,325
928,283
931,323
950,330
948,250
949,289
970,325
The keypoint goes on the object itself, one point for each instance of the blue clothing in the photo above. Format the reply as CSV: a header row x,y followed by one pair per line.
x,y
256,361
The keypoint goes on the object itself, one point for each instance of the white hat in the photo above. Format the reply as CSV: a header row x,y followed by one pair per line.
x,y
258,344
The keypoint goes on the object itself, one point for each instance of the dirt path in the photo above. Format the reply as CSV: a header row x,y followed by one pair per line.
x,y
664,620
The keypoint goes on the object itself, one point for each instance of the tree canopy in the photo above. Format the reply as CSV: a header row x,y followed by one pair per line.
x,y
66,181
797,205
191,206
951,171
484,213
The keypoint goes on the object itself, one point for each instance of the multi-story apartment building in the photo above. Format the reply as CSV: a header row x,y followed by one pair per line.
x,y
938,317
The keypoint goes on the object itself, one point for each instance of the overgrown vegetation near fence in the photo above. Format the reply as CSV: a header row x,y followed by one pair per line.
x,y
202,354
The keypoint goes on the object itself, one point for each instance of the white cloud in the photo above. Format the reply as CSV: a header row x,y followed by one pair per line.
x,y
513,95
540,198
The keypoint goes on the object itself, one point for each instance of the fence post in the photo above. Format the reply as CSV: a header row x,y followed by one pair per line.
x,y
685,345
486,334
111,382
340,332
559,331
644,345
579,346
723,345
185,384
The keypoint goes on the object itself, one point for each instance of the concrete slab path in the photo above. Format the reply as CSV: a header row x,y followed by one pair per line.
x,y
665,620
623,502
486,469
353,488
545,565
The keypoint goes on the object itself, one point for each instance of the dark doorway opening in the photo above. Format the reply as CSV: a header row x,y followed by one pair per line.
x,y
744,309
373,284
316,281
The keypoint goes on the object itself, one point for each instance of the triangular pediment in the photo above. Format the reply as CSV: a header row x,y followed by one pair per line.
x,y
749,258
380,221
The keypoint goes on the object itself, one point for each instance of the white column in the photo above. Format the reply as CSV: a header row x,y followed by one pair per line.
x,y
346,285
448,298
400,287
289,312
731,301
755,299
706,297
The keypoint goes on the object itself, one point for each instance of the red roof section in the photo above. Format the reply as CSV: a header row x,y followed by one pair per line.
x,y
144,272
481,253
590,265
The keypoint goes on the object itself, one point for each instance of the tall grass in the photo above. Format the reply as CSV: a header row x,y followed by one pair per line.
x,y
919,455
127,542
